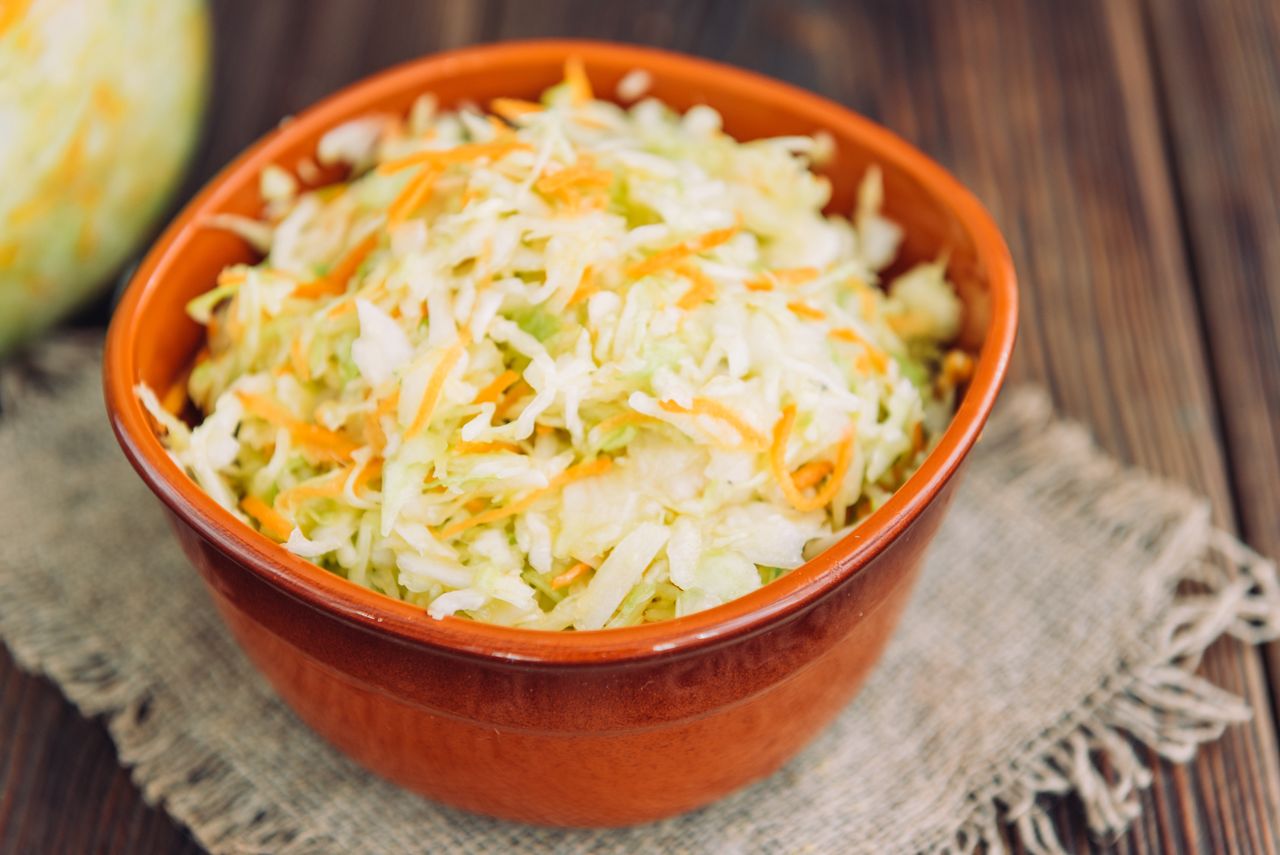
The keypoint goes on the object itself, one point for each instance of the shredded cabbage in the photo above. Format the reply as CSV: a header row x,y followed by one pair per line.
x,y
564,365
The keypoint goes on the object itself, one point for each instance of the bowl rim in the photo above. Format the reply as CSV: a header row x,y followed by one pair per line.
x,y
747,615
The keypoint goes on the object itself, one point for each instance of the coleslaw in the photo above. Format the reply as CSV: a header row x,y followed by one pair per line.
x,y
563,364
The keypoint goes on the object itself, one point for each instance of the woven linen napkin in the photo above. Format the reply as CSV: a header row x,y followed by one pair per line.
x,y
1057,625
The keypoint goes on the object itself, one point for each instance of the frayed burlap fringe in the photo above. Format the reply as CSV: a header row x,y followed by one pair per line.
x,y
1199,585
1161,704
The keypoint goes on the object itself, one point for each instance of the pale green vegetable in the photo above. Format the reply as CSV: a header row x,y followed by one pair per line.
x,y
600,367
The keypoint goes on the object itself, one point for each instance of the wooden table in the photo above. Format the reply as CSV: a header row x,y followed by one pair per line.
x,y
1129,150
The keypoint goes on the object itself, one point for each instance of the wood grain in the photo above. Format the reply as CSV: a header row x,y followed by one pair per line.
x,y
1224,135
1128,153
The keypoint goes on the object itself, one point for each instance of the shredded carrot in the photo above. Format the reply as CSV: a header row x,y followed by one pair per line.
x,y
464,447
412,197
370,471
272,522
475,506
512,108
795,275
471,194
232,277
335,281
778,463
878,360
265,408
452,156
327,486
587,285
388,404
373,421
624,418
758,285
175,398
571,575
957,368
811,473
499,384
908,324
673,255
584,171
314,437
702,289
298,358
804,310
435,385
515,393
867,303
340,308
707,407
318,439
577,186
574,473
575,75
917,438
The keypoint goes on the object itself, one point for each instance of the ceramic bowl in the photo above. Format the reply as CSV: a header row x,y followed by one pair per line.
x,y
588,728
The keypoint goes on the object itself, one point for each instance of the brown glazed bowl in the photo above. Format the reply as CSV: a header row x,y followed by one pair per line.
x,y
600,728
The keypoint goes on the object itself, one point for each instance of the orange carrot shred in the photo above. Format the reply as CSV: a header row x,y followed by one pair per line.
x,y
571,575
513,108
795,275
876,358
414,195
707,407
298,359
370,471
464,447
175,398
327,486
499,384
575,74
702,289
452,156
811,473
957,367
623,418
587,286
804,310
335,281
435,385
515,393
574,473
673,255
777,463
318,439
273,523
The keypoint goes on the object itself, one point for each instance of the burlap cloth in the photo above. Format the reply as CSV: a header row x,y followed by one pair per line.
x,y
1063,610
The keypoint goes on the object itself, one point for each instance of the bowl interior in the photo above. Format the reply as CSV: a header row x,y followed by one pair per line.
x,y
932,227
152,340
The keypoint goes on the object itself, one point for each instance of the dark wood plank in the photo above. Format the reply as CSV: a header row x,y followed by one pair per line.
x,y
61,786
1048,111
1224,124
